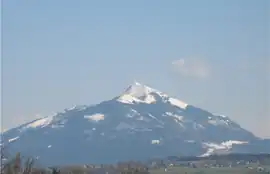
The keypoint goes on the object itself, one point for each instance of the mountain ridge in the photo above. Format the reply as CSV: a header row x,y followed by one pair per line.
x,y
140,118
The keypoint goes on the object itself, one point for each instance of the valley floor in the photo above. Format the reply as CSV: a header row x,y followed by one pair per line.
x,y
236,170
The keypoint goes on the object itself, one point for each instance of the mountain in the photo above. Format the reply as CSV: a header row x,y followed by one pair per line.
x,y
139,124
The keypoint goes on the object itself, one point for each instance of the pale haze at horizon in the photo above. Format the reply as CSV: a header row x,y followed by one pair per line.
x,y
211,54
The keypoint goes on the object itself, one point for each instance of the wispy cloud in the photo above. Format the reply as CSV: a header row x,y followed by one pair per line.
x,y
192,68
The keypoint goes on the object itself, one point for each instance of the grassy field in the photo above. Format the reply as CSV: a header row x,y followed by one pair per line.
x,y
180,170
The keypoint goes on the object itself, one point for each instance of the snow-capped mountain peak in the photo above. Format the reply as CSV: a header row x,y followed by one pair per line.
x,y
141,118
139,90
140,93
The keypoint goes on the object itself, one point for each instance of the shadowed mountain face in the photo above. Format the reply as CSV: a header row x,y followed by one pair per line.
x,y
139,124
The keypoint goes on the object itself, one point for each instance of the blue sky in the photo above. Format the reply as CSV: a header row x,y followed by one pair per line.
x,y
212,54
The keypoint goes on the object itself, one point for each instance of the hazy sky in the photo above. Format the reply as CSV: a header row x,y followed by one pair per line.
x,y
212,54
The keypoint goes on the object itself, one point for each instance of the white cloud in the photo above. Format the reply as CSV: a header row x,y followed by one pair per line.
x,y
191,68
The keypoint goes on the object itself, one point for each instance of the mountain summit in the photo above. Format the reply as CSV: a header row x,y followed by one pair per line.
x,y
139,93
139,124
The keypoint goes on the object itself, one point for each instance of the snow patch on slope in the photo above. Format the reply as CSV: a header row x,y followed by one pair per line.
x,y
95,117
213,148
128,99
177,117
177,103
155,142
13,139
218,122
76,107
40,123
155,118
